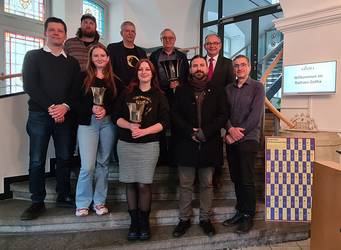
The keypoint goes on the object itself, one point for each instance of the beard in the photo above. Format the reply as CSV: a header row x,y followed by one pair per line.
x,y
199,75
88,33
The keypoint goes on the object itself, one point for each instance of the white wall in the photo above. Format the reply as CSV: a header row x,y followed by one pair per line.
x,y
312,34
152,16
14,140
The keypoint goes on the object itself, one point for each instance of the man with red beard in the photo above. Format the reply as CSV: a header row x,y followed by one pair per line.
x,y
198,113
86,36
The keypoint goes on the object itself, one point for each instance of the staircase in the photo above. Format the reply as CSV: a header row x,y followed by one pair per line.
x,y
59,228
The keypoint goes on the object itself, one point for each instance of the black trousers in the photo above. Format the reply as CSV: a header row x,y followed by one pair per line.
x,y
241,160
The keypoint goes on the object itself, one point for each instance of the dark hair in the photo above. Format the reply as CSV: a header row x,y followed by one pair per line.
x,y
242,56
88,16
109,76
79,34
195,57
53,19
135,81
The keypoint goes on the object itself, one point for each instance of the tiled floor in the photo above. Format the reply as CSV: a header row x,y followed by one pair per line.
x,y
295,245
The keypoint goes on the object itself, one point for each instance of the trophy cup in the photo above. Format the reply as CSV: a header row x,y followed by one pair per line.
x,y
171,68
98,95
135,111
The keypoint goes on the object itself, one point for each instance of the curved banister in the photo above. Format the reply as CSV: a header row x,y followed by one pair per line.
x,y
268,104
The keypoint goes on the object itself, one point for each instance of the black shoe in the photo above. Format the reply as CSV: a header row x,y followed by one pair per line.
x,y
65,202
207,227
134,229
34,211
233,220
245,225
144,225
181,228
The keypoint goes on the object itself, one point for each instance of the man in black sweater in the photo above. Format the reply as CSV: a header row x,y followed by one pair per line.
x,y
50,79
125,54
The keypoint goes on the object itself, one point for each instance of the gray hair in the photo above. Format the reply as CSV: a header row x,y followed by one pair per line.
x,y
212,34
127,23
167,29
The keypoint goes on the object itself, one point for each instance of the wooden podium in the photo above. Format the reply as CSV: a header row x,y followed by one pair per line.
x,y
326,211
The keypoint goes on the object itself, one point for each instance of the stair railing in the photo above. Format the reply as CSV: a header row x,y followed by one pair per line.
x,y
4,77
268,104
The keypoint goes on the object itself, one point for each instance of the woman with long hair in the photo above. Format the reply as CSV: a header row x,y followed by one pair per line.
x,y
141,113
95,131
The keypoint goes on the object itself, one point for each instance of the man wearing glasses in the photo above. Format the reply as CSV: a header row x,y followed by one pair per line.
x,y
220,70
168,52
166,60
220,73
246,107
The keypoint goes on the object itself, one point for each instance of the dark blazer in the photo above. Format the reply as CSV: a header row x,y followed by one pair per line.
x,y
119,62
183,70
184,117
223,72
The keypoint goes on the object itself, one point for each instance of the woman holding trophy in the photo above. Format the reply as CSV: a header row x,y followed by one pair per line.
x,y
141,113
95,132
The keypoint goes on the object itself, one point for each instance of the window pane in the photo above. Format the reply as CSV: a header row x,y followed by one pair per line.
x,y
238,37
211,10
28,8
97,11
16,46
233,7
209,30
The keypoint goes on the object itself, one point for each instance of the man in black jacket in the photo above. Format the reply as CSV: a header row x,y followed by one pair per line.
x,y
50,79
198,114
220,72
168,52
125,54
163,59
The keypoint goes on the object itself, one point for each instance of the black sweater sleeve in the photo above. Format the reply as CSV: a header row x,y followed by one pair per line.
x,y
31,81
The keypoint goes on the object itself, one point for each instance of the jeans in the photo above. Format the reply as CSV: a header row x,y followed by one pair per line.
x,y
241,160
40,127
186,178
96,143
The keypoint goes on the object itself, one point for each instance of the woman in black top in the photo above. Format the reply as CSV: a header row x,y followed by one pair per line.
x,y
95,132
138,145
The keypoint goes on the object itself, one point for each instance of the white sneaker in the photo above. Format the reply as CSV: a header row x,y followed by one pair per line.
x,y
82,212
100,209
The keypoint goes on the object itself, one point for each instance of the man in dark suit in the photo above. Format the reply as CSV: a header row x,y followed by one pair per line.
x,y
220,69
220,72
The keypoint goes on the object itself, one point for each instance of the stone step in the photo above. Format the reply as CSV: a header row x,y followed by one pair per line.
x,y
57,229
63,219
167,190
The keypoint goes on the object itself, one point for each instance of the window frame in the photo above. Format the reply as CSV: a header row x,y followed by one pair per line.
x,y
22,25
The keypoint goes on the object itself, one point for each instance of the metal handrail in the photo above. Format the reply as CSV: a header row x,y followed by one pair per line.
x,y
4,77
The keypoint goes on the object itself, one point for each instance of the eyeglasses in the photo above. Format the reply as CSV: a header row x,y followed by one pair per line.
x,y
237,66
214,43
168,38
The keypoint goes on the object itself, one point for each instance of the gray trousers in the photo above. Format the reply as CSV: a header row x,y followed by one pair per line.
x,y
187,177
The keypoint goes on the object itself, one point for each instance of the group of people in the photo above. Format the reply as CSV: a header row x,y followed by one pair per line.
x,y
115,96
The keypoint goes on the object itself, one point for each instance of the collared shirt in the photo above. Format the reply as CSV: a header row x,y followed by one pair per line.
x,y
165,57
214,61
47,49
246,107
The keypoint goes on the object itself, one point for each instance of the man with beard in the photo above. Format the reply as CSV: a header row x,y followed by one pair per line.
x,y
87,35
198,113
